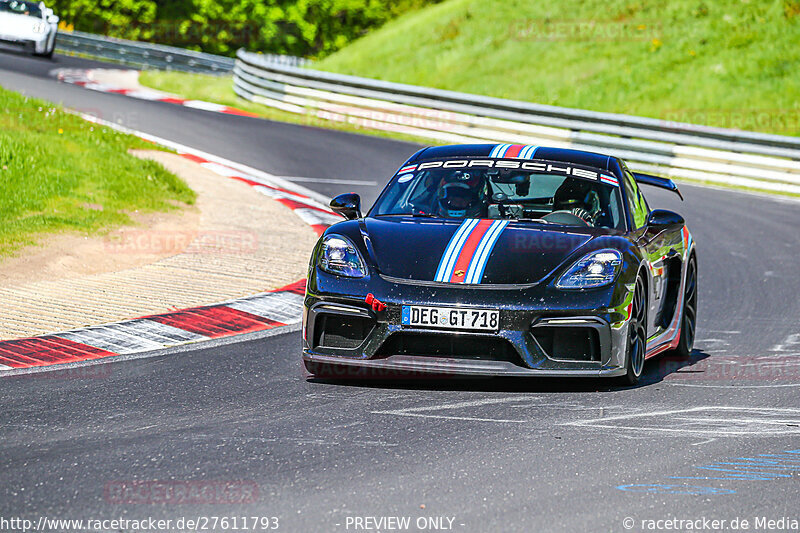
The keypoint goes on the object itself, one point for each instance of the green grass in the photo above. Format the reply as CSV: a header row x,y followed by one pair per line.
x,y
61,173
727,63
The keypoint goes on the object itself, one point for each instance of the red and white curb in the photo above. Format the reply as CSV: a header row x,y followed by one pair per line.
x,y
261,312
308,205
83,78
270,310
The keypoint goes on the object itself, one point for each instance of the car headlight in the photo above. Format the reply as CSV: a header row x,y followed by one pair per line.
x,y
340,256
592,270
39,27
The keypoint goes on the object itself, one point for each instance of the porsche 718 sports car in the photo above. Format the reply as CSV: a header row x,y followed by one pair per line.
x,y
502,260
30,25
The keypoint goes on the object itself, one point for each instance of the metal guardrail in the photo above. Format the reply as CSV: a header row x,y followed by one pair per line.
x,y
144,55
747,159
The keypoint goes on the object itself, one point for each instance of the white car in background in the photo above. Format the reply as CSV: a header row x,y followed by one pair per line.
x,y
29,25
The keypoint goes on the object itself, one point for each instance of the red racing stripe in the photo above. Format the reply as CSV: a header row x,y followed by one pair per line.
x,y
216,321
468,250
514,150
48,350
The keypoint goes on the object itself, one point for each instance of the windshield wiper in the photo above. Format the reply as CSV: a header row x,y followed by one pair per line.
x,y
543,221
427,215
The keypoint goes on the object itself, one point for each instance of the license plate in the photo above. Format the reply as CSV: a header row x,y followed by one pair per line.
x,y
451,318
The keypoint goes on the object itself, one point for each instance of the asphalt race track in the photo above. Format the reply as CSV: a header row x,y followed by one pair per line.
x,y
708,437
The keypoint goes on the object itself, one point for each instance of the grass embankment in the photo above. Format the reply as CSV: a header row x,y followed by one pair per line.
x,y
61,173
727,63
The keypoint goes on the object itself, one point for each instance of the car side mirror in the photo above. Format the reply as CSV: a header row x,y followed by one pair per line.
x,y
661,219
348,205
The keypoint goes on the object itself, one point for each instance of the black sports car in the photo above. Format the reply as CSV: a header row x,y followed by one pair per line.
x,y
502,260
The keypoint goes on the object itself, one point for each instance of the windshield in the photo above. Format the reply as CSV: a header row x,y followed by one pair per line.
x,y
21,8
548,193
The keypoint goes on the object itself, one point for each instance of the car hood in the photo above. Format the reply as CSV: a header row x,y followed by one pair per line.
x,y
474,252
18,25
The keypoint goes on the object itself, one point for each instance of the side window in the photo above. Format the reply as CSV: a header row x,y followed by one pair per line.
x,y
636,202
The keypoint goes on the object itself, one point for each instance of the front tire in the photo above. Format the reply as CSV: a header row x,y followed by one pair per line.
x,y
637,336
689,318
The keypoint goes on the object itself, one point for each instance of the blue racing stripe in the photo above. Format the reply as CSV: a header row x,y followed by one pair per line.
x,y
529,151
500,150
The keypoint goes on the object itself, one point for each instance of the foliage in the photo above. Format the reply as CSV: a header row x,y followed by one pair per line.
x,y
311,28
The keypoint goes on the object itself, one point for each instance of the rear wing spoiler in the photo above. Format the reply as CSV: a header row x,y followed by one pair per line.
x,y
656,181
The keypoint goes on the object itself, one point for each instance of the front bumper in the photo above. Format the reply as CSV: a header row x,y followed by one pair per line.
x,y
542,331
32,44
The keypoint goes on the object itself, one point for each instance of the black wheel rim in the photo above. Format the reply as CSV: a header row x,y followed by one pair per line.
x,y
638,330
690,305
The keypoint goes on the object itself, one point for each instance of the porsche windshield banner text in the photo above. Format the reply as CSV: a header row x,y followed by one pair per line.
x,y
566,170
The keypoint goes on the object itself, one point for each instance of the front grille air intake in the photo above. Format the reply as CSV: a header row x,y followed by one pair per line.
x,y
452,346
341,331
568,343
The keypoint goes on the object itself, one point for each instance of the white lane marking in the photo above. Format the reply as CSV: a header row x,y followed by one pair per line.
x,y
445,417
314,216
712,439
419,411
4,367
457,405
736,386
205,106
758,424
222,170
146,95
789,343
691,410
335,181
